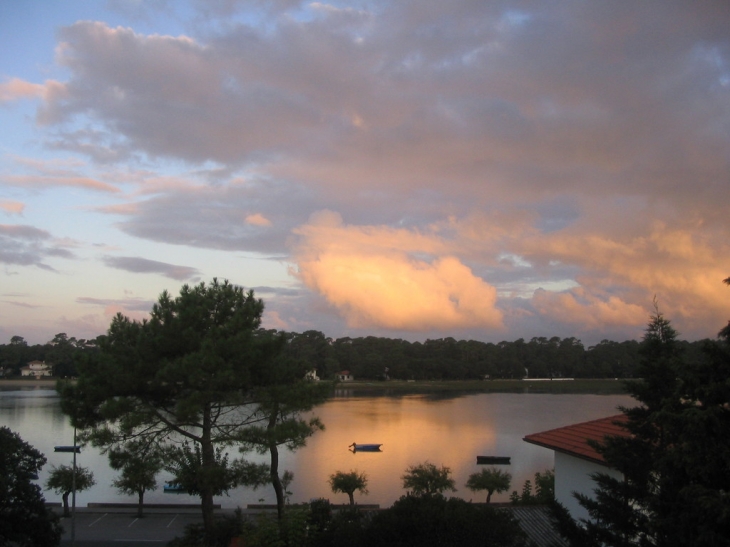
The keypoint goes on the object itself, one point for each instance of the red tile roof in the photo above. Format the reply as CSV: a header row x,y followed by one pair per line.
x,y
573,439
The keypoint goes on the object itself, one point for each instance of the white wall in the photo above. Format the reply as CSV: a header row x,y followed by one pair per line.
x,y
573,475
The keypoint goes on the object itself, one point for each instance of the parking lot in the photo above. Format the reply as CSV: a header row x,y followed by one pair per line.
x,y
100,528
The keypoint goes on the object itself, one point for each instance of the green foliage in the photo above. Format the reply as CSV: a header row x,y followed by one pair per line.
x,y
349,483
227,527
196,378
179,376
368,357
439,522
544,492
676,460
61,481
491,479
427,479
24,521
186,464
139,464
292,530
277,418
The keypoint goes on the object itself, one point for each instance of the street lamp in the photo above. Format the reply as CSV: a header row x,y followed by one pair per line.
x,y
76,450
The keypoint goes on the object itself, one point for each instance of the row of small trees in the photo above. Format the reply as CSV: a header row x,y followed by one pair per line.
x,y
138,476
424,516
427,479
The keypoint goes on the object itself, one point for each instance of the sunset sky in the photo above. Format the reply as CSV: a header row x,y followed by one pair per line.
x,y
414,169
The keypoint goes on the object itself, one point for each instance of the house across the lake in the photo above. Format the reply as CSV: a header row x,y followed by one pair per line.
x,y
344,376
576,460
37,369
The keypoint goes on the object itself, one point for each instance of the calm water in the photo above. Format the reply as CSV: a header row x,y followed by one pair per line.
x,y
449,431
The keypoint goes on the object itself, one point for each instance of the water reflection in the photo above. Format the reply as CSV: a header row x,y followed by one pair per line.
x,y
446,430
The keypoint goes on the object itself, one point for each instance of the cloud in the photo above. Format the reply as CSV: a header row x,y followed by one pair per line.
x,y
587,311
134,308
257,216
15,89
21,304
620,275
143,265
47,182
496,163
372,276
25,245
12,207
257,219
55,173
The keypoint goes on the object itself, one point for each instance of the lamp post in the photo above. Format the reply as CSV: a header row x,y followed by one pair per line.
x,y
75,449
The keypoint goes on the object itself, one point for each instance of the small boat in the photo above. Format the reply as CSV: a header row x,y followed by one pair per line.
x,y
493,460
173,488
365,447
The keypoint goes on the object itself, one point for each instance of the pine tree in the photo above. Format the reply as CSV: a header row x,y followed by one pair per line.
x,y
676,462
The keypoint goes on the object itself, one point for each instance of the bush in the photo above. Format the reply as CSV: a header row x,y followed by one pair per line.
x,y
226,528
439,522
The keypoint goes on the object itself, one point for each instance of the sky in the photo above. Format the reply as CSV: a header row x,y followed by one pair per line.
x,y
410,168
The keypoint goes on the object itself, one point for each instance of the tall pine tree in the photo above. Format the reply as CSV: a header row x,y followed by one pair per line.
x,y
676,462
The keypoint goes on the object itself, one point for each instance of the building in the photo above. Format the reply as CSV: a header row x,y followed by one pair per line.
x,y
576,460
37,369
344,376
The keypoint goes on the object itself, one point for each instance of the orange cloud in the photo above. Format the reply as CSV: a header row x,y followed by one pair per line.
x,y
682,266
372,276
12,207
258,219
578,306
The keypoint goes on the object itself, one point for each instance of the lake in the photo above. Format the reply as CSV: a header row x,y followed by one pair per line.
x,y
449,429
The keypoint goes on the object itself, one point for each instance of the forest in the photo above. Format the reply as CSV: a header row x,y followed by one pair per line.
x,y
375,358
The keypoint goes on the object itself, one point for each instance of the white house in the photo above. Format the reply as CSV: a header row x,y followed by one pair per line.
x,y
576,460
344,376
36,368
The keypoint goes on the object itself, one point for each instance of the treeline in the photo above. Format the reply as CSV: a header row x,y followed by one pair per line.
x,y
374,358
60,353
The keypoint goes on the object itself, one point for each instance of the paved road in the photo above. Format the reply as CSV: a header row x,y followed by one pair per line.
x,y
100,528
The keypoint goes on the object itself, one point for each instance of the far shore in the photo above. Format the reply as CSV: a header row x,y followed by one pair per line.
x,y
48,383
601,386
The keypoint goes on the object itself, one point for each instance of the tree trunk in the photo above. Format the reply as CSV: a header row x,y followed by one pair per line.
x,y
489,495
276,481
140,505
206,492
274,469
352,497
66,512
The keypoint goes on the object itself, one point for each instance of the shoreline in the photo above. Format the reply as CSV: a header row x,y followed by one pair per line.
x,y
597,386
29,382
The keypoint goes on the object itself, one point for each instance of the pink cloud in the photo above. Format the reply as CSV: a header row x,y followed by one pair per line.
x,y
50,181
581,308
16,88
12,207
257,219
